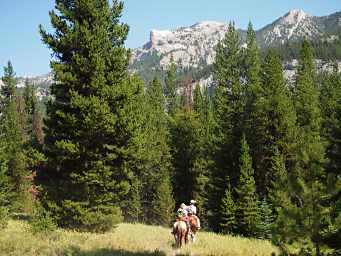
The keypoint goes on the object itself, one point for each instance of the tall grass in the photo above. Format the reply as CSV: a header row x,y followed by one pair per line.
x,y
126,240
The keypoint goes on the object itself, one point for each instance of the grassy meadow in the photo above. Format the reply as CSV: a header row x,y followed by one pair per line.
x,y
125,240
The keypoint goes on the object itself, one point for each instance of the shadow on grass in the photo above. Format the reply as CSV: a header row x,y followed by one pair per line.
x,y
109,252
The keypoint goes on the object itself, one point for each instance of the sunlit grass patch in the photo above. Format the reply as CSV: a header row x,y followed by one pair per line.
x,y
125,240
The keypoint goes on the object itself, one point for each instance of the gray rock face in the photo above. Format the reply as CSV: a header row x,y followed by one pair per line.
x,y
195,45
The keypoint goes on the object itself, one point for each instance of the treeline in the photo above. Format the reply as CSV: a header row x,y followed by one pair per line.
x,y
261,158
324,49
21,133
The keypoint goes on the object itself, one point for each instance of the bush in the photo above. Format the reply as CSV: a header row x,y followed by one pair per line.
x,y
3,217
101,221
41,221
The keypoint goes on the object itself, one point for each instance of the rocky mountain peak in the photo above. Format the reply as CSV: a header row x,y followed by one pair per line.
x,y
294,16
193,47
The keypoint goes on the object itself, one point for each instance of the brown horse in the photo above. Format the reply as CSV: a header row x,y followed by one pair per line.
x,y
180,233
194,225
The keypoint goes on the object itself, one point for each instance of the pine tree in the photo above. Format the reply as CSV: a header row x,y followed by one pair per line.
x,y
264,227
330,93
228,212
93,129
308,214
163,203
252,60
198,100
185,151
202,106
157,187
6,189
171,87
34,127
37,127
14,159
273,122
30,101
253,83
247,208
229,106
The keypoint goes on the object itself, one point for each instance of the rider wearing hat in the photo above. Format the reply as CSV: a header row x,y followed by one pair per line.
x,y
193,210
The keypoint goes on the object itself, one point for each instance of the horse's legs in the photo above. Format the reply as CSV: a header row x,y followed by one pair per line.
x,y
186,236
193,235
180,240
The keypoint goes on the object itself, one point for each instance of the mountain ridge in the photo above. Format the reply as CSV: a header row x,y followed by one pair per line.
x,y
194,46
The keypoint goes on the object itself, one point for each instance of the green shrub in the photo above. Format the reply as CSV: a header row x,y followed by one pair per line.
x,y
41,221
3,217
101,221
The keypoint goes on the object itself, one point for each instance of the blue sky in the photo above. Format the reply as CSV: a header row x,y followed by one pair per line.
x,y
19,20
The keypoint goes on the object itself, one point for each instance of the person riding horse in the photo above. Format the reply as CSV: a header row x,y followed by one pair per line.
x,y
187,215
193,210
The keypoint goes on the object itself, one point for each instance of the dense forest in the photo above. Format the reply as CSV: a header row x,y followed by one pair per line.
x,y
261,158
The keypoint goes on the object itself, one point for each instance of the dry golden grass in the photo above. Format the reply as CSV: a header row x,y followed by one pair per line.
x,y
126,240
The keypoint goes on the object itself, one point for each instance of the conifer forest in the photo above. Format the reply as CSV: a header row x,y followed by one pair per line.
x,y
259,153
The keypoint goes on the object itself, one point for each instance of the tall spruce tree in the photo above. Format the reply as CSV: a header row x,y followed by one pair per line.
x,y
202,106
171,87
247,207
228,212
252,59
330,93
12,134
273,122
308,213
185,152
252,73
229,106
93,128
157,178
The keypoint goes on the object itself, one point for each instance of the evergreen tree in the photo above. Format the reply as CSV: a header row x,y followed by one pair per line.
x,y
37,127
185,151
157,183
330,93
273,122
198,102
163,203
202,106
228,212
252,60
171,87
30,100
229,106
308,214
247,209
93,128
331,131
264,226
14,160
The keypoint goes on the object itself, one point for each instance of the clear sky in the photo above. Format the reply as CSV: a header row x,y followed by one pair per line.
x,y
19,20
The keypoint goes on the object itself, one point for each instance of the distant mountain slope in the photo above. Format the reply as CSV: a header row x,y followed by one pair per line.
x,y
194,46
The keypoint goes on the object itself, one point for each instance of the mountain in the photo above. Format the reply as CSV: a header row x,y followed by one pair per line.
x,y
189,46
193,47
42,84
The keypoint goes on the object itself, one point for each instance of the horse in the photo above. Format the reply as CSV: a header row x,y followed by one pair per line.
x,y
180,232
194,226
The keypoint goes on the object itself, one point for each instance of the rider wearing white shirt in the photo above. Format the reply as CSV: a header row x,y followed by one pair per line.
x,y
193,210
193,207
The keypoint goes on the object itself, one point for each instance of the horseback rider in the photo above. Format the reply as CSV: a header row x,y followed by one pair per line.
x,y
193,210
183,214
